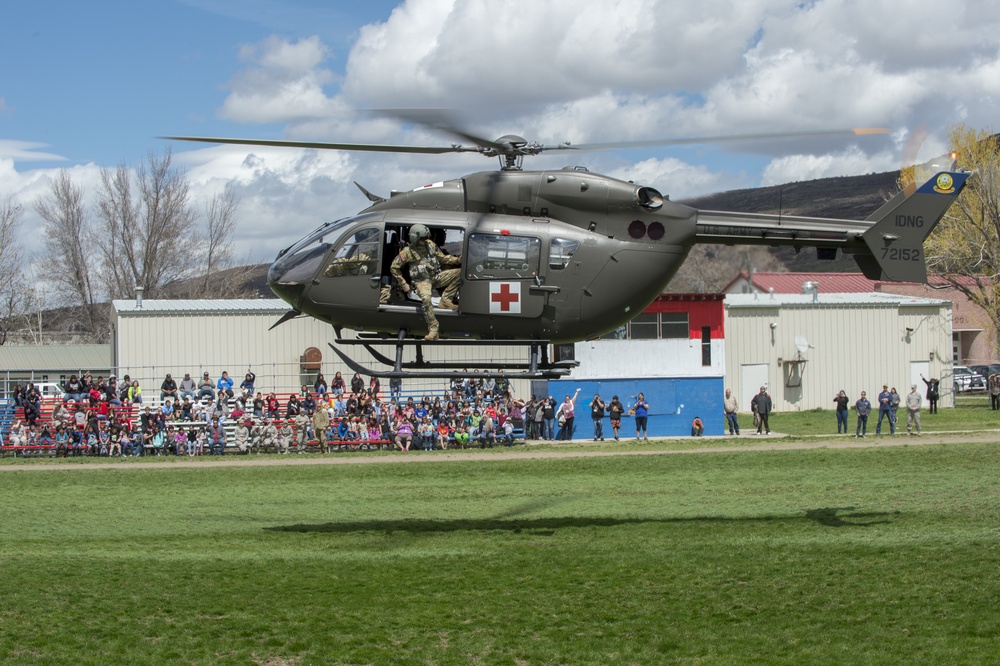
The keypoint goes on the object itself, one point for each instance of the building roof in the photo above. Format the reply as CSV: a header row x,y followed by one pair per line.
x,y
823,299
791,283
228,306
834,283
69,358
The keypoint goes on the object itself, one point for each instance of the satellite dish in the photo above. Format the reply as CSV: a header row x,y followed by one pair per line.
x,y
802,344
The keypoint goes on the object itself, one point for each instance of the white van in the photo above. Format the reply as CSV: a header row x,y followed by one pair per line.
x,y
50,390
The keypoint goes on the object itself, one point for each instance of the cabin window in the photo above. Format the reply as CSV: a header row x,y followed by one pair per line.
x,y
560,252
492,256
357,256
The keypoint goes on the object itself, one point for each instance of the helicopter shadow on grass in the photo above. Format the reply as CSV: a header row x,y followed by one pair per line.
x,y
833,517
827,517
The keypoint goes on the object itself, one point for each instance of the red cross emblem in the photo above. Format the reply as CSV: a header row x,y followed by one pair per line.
x,y
505,298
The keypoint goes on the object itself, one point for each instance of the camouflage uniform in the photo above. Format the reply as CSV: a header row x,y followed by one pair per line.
x,y
301,432
360,264
271,438
256,437
242,438
425,260
321,421
285,437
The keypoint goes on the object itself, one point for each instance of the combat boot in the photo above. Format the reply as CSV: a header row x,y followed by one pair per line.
x,y
432,334
447,304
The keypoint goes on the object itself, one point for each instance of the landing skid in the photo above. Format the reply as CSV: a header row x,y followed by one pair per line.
x,y
536,367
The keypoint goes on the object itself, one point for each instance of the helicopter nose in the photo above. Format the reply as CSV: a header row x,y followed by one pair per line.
x,y
289,291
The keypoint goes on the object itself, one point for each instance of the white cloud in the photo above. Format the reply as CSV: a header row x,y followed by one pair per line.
x,y
26,151
680,180
794,168
285,80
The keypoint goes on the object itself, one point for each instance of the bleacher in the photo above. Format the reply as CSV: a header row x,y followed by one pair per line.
x,y
133,412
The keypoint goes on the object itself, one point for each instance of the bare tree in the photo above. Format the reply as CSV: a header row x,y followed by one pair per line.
x,y
69,248
148,237
17,297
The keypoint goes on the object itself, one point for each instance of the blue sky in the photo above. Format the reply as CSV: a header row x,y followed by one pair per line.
x,y
99,81
87,85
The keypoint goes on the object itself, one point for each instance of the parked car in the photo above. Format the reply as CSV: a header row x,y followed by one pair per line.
x,y
986,370
967,380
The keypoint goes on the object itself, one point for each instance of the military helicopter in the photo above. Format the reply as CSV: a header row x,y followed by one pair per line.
x,y
553,256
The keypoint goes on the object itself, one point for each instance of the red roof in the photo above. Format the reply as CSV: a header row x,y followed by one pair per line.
x,y
791,283
829,283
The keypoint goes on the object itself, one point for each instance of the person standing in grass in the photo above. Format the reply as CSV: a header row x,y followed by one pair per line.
x,y
731,405
641,412
565,413
913,409
885,410
597,413
615,411
761,406
863,409
933,392
842,401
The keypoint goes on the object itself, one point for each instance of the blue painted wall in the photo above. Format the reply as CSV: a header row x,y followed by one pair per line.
x,y
673,404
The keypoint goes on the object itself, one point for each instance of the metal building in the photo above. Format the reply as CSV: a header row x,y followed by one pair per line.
x,y
807,347
153,337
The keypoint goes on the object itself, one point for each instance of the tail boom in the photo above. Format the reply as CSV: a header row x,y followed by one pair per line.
x,y
887,246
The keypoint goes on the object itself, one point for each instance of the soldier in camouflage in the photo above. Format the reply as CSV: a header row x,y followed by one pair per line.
x,y
425,259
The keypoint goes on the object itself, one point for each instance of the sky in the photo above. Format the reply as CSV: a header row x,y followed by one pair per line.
x,y
92,85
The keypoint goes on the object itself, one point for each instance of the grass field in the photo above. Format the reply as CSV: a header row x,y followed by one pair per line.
x,y
824,556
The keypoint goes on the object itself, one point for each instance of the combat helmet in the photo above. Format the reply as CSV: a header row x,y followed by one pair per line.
x,y
419,232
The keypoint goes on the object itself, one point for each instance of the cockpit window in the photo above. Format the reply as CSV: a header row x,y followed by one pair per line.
x,y
357,256
560,252
498,255
300,263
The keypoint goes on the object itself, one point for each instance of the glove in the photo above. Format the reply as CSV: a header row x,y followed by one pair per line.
x,y
406,289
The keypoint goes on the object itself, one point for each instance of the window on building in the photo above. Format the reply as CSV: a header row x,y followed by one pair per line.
x,y
662,326
675,325
706,345
645,326
620,333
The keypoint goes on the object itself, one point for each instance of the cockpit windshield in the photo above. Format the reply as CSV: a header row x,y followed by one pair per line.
x,y
301,262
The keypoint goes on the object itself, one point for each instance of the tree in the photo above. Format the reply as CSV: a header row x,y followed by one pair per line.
x,y
964,249
69,248
17,297
221,278
148,234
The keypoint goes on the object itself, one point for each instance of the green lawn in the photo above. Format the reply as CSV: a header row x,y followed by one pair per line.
x,y
972,412
822,556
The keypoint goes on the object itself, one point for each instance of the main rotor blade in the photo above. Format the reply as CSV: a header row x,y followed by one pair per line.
x,y
442,120
717,139
322,145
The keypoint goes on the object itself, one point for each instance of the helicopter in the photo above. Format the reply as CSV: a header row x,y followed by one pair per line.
x,y
551,256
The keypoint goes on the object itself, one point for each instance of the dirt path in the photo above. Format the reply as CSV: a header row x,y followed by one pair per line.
x,y
774,442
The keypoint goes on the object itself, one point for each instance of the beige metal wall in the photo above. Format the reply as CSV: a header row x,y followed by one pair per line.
x,y
855,347
150,344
